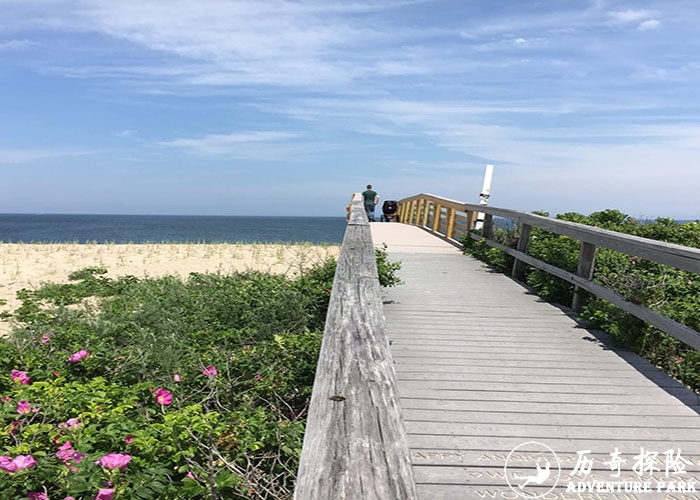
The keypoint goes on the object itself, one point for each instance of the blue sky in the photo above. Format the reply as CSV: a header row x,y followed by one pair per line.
x,y
268,107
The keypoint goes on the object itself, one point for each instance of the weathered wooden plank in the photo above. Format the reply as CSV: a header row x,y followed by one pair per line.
x,y
535,432
483,366
490,492
525,419
648,389
535,407
570,445
489,460
475,376
409,391
577,363
461,475
355,442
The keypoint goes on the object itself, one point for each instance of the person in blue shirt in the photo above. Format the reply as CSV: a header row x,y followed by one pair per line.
x,y
371,199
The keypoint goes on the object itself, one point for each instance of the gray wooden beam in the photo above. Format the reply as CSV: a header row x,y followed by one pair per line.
x,y
355,443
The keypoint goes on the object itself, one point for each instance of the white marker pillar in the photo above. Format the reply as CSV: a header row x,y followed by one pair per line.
x,y
484,195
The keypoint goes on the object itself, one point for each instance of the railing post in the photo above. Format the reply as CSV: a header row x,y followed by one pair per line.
x,y
437,217
414,212
586,261
488,226
419,211
471,220
426,213
523,242
450,230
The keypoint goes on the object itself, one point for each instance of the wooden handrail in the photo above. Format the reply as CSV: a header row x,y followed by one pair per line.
x,y
678,256
355,442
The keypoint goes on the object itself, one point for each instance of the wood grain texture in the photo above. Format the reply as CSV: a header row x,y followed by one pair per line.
x,y
355,443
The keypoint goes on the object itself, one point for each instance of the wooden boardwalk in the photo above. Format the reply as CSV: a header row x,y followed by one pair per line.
x,y
491,376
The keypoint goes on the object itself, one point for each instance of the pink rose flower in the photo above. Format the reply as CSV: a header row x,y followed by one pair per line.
x,y
18,463
176,377
114,461
45,338
66,446
104,494
129,439
66,452
164,396
23,407
20,376
78,356
209,371
37,495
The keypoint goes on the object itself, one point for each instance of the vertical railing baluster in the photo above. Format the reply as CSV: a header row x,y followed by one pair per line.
x,y
437,217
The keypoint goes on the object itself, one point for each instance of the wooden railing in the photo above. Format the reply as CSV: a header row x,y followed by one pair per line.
x,y
454,219
355,442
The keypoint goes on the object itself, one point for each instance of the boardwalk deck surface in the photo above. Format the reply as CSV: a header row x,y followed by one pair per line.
x,y
489,375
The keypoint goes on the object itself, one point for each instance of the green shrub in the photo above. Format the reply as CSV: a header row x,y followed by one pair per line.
x,y
203,382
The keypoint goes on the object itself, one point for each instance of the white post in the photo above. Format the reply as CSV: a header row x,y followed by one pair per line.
x,y
484,195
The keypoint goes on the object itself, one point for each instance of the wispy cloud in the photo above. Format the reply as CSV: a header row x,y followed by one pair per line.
x,y
232,43
17,44
19,156
650,24
126,133
630,15
263,145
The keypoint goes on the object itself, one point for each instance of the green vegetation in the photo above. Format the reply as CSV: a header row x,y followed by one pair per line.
x,y
162,388
670,291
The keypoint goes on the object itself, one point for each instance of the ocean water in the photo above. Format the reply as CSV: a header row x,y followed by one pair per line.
x,y
27,228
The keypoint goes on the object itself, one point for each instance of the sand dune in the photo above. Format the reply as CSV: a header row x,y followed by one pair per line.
x,y
30,265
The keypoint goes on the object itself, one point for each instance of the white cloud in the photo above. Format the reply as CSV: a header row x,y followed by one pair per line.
x,y
17,44
650,24
126,133
250,145
629,16
232,43
19,156
513,43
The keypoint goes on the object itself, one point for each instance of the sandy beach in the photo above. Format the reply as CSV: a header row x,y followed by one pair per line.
x,y
30,265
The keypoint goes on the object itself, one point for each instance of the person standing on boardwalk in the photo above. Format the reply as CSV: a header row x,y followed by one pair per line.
x,y
371,199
